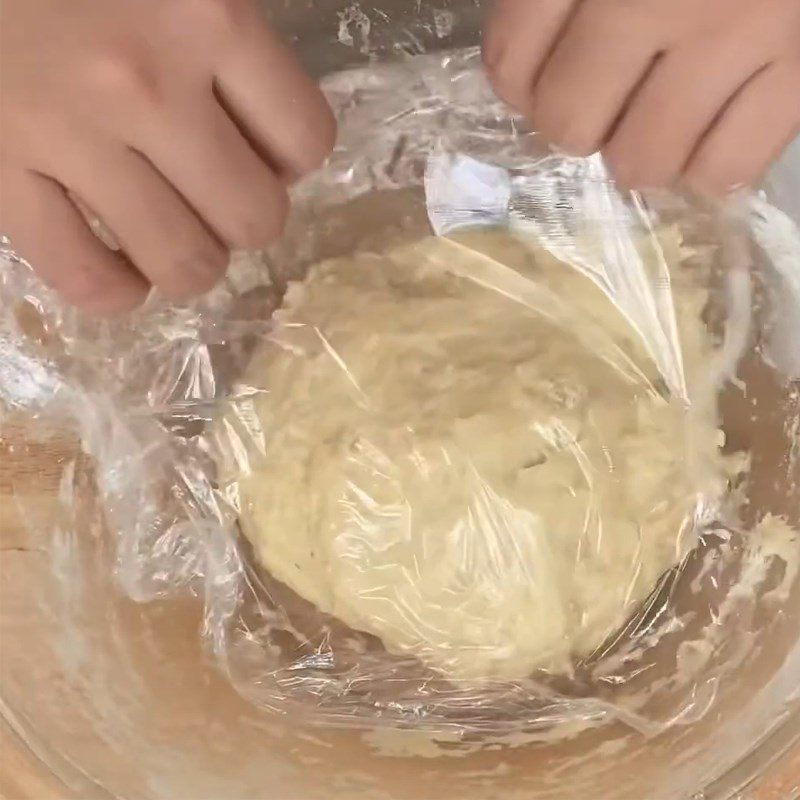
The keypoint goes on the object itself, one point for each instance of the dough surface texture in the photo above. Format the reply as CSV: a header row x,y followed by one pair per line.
x,y
468,453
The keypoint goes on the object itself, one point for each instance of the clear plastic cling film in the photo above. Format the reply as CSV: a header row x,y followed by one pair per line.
x,y
452,454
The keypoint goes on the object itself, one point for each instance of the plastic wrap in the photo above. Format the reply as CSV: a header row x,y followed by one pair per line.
x,y
441,604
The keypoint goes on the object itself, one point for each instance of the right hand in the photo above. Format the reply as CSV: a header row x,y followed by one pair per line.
x,y
179,123
706,92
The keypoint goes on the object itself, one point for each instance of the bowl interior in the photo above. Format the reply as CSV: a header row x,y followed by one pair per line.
x,y
120,699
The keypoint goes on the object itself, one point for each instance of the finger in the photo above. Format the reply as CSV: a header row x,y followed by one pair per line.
x,y
48,231
750,134
206,158
520,35
672,110
594,69
159,233
280,109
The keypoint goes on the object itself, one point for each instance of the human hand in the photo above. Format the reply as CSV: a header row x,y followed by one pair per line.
x,y
704,90
179,123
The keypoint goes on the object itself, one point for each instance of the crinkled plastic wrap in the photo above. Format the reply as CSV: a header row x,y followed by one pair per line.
x,y
445,596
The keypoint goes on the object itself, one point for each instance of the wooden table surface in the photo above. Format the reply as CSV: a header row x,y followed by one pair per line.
x,y
22,777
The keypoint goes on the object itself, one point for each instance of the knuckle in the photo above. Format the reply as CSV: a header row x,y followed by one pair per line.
x,y
621,170
626,23
490,56
552,121
119,302
714,178
256,232
101,293
577,142
82,285
622,12
553,116
493,44
635,167
625,175
511,76
509,83
496,65
323,144
194,275
279,216
122,77
647,176
217,15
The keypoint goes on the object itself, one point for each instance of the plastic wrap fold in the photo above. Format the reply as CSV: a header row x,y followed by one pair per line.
x,y
193,415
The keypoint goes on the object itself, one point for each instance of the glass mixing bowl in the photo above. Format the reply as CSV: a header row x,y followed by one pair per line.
x,y
105,698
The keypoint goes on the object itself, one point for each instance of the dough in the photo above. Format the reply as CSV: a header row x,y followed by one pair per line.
x,y
467,452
